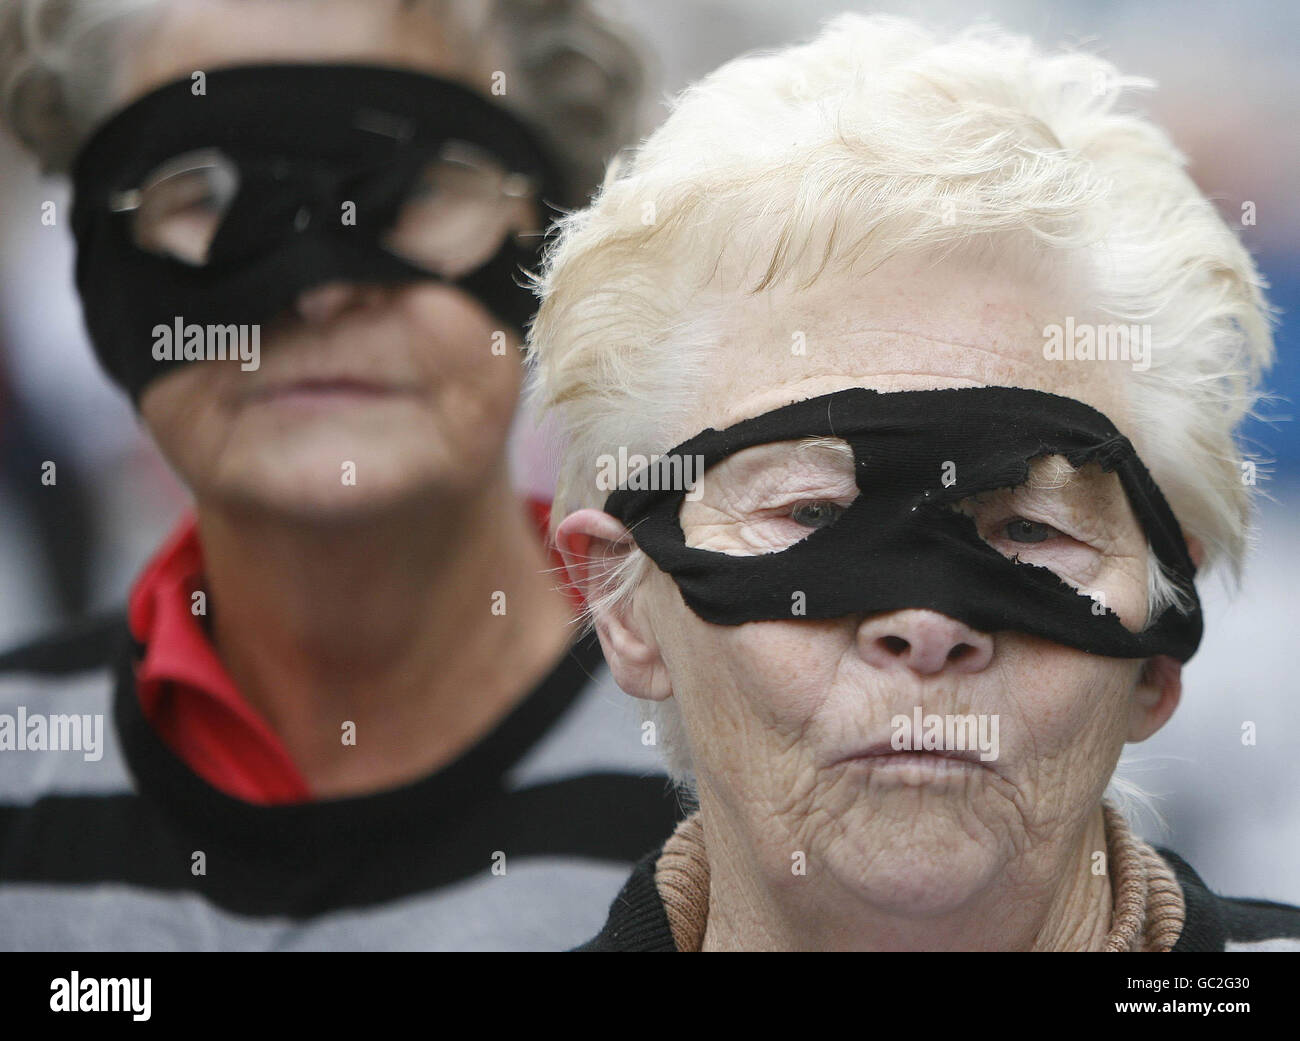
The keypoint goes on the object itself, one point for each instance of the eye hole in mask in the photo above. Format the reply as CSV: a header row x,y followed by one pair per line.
x,y
767,498
179,207
453,215
1078,524
459,210
224,209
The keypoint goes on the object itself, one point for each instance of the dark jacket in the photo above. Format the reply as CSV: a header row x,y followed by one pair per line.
x,y
638,921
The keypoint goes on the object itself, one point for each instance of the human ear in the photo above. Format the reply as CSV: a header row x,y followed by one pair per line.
x,y
1158,692
590,543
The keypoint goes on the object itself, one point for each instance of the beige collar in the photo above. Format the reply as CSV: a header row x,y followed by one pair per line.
x,y
1147,912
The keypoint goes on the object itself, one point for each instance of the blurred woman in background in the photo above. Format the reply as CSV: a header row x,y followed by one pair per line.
x,y
343,710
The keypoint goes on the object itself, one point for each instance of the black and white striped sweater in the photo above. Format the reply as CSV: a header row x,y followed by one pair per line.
x,y
519,845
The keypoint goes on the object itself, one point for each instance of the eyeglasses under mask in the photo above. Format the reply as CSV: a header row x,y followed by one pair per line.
x,y
222,206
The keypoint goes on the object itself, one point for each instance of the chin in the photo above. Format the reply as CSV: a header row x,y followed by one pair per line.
x,y
917,882
317,487
925,865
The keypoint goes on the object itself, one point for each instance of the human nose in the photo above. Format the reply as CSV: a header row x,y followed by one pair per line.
x,y
321,303
926,642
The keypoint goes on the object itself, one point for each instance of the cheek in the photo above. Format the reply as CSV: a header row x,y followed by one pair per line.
x,y
791,666
750,693
183,413
470,365
1068,711
454,338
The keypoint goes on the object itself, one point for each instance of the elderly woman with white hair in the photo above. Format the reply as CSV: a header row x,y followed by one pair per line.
x,y
898,381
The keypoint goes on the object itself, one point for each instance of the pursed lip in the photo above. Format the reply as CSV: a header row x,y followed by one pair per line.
x,y
885,750
322,386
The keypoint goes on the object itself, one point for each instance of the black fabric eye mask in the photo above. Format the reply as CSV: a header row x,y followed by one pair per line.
x,y
901,544
305,139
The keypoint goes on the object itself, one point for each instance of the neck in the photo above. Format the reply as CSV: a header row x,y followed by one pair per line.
x,y
391,623
1065,907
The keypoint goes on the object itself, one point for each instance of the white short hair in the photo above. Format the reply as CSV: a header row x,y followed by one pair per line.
x,y
876,140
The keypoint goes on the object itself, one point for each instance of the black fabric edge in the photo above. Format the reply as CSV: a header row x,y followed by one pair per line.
x,y
637,919
88,643
1203,927
475,775
301,873
1213,921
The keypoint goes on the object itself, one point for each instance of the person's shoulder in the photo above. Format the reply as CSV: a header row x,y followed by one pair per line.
x,y
1260,925
1225,923
89,643
638,920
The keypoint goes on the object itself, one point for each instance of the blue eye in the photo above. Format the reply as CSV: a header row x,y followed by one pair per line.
x,y
1021,530
816,514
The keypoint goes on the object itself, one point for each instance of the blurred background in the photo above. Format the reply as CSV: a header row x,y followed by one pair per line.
x,y
1228,92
